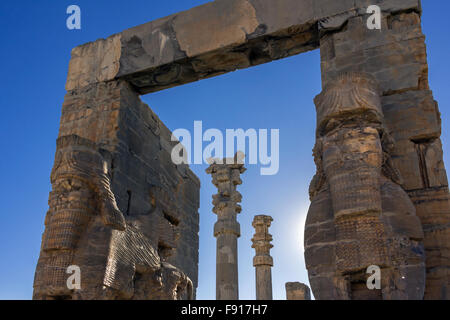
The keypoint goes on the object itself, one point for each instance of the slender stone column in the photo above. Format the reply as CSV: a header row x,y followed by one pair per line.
x,y
262,261
226,177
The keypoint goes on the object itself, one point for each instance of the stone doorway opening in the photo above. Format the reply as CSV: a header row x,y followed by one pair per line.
x,y
263,97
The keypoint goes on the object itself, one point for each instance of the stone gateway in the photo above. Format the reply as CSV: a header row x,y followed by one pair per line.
x,y
127,216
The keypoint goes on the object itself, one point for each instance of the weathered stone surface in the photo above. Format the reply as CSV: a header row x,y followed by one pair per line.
x,y
262,261
212,39
412,141
297,291
418,107
432,208
226,177
356,193
396,58
85,227
119,208
94,62
368,153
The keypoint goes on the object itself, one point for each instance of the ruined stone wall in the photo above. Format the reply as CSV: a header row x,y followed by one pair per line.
x,y
396,57
154,252
155,194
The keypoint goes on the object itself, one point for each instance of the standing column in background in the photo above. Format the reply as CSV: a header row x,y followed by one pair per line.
x,y
226,177
262,261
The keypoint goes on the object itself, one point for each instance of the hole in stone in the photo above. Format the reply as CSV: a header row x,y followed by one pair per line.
x,y
172,220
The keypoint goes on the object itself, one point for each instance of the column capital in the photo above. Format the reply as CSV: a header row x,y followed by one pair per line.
x,y
261,240
226,177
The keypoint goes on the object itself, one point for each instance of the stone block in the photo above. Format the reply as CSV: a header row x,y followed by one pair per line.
x,y
412,115
297,291
217,37
94,62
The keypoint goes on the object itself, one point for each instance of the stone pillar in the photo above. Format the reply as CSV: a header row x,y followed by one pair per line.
x,y
396,57
112,164
359,215
297,291
262,261
226,177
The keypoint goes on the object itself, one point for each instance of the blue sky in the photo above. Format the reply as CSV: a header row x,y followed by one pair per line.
x,y
34,59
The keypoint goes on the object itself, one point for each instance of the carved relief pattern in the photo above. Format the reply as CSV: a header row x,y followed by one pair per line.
x,y
354,167
81,192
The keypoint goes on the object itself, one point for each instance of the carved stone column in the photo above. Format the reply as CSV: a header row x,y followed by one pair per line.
x,y
262,261
226,177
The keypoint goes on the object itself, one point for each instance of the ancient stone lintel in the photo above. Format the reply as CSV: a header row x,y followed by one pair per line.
x,y
233,35
262,261
226,177
297,291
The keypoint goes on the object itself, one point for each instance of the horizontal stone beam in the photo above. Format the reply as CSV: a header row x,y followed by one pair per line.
x,y
212,39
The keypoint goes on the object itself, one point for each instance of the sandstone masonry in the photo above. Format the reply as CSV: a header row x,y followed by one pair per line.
x,y
123,212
